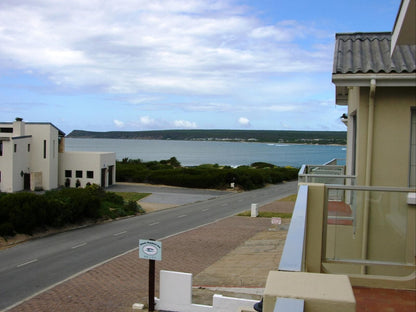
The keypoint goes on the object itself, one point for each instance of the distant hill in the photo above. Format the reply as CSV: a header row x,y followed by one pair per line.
x,y
269,136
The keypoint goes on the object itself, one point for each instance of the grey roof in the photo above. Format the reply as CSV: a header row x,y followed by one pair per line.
x,y
370,53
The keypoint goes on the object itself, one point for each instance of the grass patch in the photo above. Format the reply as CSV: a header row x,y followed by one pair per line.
x,y
267,214
291,198
132,196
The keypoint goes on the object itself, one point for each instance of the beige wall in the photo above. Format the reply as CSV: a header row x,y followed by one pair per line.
x,y
391,140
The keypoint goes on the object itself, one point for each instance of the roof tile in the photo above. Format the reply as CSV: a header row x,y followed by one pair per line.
x,y
370,53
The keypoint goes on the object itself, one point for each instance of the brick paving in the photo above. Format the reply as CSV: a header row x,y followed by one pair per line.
x,y
114,286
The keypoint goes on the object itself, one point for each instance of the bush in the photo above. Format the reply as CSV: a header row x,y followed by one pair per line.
x,y
6,229
169,172
22,212
27,212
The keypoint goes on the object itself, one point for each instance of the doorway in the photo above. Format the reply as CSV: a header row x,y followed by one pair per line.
x,y
26,181
110,175
103,177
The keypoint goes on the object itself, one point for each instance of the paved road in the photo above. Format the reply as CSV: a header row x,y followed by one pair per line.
x,y
38,264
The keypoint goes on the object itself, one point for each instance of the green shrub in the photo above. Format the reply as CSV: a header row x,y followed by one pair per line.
x,y
203,176
6,229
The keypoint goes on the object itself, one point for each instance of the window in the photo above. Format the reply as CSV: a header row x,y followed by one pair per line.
x,y
28,147
15,148
78,174
53,148
412,165
68,173
44,149
90,174
1,148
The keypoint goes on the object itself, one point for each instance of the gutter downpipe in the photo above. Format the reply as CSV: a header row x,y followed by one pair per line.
x,y
369,163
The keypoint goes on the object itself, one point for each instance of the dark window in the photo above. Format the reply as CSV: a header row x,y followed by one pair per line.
x,y
6,130
90,174
15,148
28,147
68,173
1,148
44,148
78,174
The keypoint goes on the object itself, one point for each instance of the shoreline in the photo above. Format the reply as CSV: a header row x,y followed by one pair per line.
x,y
206,140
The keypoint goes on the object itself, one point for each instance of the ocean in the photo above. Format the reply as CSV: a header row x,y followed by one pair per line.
x,y
193,153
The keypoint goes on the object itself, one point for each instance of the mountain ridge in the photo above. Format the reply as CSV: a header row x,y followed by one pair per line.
x,y
266,136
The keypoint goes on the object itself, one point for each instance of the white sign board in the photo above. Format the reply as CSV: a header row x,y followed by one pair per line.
x,y
150,249
276,220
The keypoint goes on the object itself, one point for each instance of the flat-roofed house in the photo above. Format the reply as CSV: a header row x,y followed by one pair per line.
x,y
33,157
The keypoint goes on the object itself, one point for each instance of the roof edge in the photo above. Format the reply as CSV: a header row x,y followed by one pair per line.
x,y
47,123
383,79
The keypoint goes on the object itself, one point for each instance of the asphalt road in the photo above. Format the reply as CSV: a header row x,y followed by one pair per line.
x,y
38,264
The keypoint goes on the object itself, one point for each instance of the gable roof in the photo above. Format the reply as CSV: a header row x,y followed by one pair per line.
x,y
364,53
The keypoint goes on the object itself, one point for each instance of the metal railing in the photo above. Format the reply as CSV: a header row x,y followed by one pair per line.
x,y
289,305
293,256
377,240
329,173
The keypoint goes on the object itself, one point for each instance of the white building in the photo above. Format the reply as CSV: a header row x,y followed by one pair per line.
x,y
33,157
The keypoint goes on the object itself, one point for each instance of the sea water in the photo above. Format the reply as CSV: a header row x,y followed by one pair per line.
x,y
193,153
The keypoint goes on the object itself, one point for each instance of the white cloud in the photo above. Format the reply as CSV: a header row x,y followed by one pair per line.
x,y
243,121
118,123
149,123
176,47
208,60
184,124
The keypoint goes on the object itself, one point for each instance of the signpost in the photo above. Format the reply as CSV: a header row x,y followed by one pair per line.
x,y
151,250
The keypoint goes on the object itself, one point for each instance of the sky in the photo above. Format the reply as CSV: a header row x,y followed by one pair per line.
x,y
131,65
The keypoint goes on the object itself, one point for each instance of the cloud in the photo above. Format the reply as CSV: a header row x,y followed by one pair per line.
x,y
134,47
118,123
203,62
184,124
149,123
243,121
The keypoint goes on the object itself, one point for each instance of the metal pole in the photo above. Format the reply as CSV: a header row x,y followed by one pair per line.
x,y
151,285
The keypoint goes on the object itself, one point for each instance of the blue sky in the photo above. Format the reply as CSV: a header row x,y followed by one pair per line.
x,y
181,64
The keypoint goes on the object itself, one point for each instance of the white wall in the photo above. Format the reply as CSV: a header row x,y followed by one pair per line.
x,y
21,161
13,164
49,165
46,165
6,169
85,161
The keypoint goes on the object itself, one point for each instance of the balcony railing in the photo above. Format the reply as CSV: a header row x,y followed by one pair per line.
x,y
293,256
329,173
373,233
